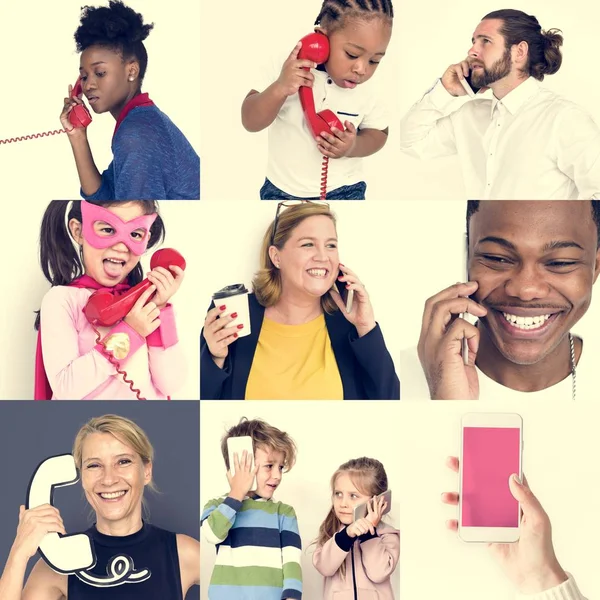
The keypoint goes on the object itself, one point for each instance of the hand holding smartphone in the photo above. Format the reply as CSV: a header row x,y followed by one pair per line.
x,y
469,86
360,510
491,451
346,294
237,446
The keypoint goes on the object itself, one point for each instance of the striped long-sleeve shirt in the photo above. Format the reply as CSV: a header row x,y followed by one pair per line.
x,y
258,549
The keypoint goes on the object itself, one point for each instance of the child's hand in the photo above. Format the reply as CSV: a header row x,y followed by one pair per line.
x,y
144,316
360,527
375,510
241,482
341,143
166,284
292,75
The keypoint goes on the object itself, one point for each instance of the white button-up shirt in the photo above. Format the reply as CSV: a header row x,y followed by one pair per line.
x,y
531,145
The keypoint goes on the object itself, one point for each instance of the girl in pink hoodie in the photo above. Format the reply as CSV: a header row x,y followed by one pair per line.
x,y
96,247
357,558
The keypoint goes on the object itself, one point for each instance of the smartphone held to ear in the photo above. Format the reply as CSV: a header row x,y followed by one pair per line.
x,y
346,294
469,86
237,445
360,510
491,451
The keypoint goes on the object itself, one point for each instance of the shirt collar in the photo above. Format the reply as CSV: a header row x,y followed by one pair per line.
x,y
517,97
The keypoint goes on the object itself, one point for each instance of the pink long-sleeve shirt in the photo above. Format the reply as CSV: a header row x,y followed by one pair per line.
x,y
77,369
375,561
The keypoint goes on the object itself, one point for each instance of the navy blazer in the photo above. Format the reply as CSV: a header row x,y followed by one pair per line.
x,y
365,365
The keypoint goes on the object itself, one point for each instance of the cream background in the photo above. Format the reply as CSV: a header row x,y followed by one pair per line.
x,y
232,253
40,62
558,462
232,70
181,223
443,37
327,434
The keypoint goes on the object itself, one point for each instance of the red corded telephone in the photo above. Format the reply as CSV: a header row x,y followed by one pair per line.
x,y
315,47
78,117
105,309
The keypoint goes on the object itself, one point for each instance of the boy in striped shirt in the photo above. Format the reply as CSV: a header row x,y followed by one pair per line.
x,y
257,539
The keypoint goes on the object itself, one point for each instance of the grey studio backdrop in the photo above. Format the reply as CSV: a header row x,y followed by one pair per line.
x,y
33,431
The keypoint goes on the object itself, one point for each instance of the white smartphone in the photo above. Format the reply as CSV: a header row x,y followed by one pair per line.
x,y
237,445
491,451
360,510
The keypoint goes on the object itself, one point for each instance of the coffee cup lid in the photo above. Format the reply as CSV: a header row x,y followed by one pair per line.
x,y
231,290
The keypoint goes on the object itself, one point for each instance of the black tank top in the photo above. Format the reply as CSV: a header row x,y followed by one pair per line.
x,y
143,565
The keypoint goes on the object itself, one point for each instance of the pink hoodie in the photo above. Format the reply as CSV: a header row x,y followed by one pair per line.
x,y
375,559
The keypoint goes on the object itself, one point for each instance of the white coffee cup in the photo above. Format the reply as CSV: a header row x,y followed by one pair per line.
x,y
235,299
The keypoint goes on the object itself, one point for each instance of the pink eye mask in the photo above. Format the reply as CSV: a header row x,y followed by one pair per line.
x,y
92,213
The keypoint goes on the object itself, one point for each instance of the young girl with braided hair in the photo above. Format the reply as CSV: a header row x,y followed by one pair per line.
x,y
359,32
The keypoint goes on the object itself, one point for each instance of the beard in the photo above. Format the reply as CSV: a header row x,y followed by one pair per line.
x,y
501,68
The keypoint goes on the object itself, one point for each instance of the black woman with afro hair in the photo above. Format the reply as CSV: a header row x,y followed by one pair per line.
x,y
152,159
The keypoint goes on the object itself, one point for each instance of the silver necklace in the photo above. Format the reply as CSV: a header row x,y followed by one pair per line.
x,y
573,369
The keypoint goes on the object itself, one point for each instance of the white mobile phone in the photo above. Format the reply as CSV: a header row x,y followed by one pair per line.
x,y
237,445
491,451
360,510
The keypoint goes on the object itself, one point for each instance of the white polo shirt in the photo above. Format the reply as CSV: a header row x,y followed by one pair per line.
x,y
531,145
413,384
294,162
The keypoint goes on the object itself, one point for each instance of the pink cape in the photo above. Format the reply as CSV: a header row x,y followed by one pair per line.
x,y
42,389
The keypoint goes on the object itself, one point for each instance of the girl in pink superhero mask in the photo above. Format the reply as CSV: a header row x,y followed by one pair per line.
x,y
98,247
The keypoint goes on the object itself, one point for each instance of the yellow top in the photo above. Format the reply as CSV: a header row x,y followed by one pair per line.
x,y
294,362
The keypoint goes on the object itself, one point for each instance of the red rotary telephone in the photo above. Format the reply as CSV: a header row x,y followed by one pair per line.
x,y
315,47
105,309
78,117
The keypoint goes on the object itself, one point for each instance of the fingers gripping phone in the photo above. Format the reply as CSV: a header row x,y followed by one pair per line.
x,y
63,553
360,510
237,445
346,294
79,115
491,451
469,86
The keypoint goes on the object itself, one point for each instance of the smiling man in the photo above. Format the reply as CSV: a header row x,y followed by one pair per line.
x,y
531,266
520,141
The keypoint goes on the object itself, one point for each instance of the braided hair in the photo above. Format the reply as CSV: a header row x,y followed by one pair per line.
x,y
334,13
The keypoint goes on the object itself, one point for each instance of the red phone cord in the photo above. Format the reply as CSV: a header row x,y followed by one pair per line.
x,y
116,364
324,171
32,136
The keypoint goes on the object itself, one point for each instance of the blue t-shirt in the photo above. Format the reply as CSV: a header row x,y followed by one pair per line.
x,y
152,160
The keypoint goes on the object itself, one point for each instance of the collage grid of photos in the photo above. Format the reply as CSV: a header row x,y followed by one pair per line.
x,y
326,291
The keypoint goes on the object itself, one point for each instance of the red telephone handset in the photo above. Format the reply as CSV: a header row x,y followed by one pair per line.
x,y
315,47
105,309
79,115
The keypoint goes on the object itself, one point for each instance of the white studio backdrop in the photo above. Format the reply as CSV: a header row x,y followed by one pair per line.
x,y
21,241
234,160
327,434
44,62
430,250
559,462
431,38
367,243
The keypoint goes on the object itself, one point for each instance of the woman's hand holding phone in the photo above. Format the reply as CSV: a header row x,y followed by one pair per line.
x,y
441,341
530,563
361,315
218,335
68,104
242,481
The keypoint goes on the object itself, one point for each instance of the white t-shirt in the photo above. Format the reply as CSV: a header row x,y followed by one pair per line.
x,y
295,163
413,385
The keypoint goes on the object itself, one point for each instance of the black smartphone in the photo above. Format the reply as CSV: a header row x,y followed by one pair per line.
x,y
470,88
347,295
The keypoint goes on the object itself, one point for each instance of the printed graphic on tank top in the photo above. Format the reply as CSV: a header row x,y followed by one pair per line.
x,y
143,565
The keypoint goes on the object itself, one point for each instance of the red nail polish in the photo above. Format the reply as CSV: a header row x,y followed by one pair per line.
x,y
235,335
233,315
222,307
240,326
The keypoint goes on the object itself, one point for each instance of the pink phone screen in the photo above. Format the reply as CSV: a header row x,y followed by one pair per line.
x,y
490,456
